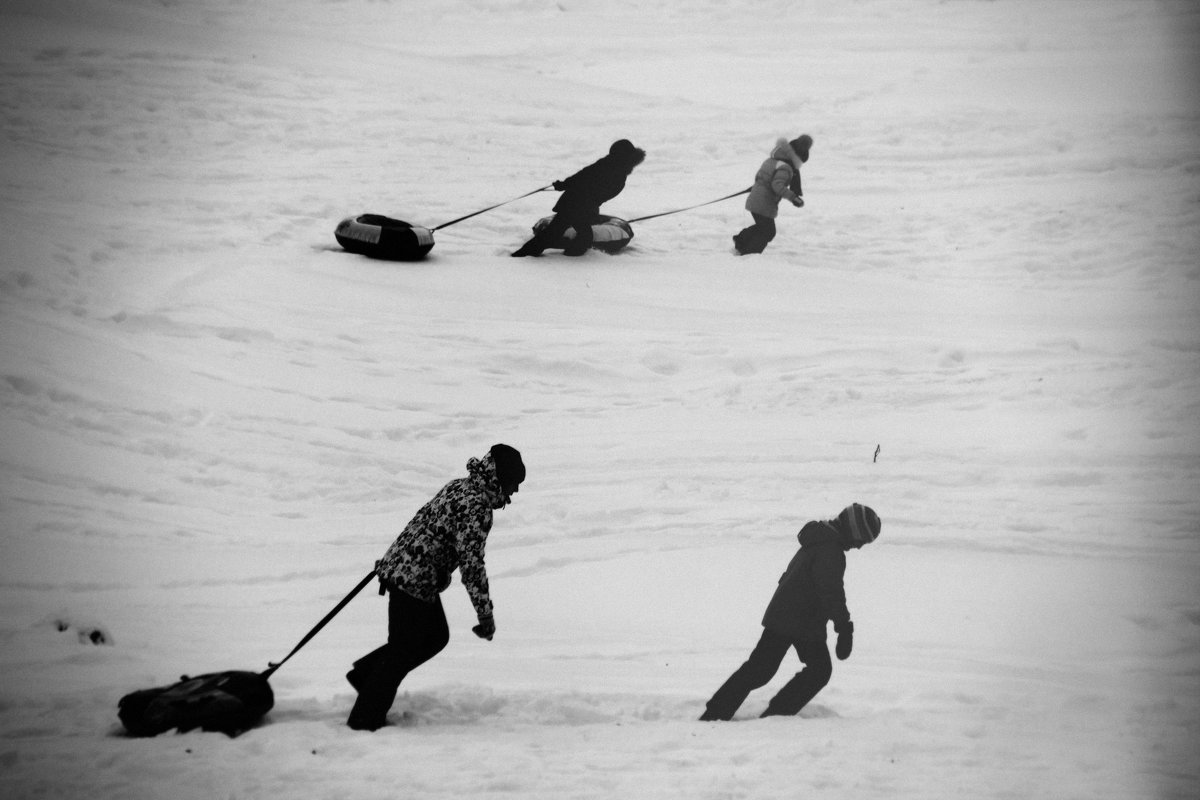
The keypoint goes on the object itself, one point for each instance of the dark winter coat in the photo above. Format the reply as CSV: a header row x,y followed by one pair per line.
x,y
584,192
778,178
448,533
811,591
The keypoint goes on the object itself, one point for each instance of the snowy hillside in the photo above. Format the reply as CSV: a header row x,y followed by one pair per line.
x,y
213,420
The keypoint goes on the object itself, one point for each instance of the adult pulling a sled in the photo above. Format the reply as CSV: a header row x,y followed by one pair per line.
x,y
582,195
778,178
811,593
448,533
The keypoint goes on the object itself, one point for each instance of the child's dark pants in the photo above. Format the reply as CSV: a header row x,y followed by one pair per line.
x,y
417,631
755,238
761,667
581,221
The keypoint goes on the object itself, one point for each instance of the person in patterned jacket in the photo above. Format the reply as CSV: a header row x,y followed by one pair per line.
x,y
811,594
449,533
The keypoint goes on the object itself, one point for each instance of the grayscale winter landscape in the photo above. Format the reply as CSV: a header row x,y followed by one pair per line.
x,y
985,323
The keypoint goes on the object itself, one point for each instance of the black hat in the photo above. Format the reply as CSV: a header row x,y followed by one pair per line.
x,y
801,145
860,523
623,151
510,470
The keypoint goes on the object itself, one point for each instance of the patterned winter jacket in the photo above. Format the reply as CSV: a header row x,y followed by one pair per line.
x,y
448,533
778,178
811,591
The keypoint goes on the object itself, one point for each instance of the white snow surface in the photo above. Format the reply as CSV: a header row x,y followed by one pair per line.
x,y
213,420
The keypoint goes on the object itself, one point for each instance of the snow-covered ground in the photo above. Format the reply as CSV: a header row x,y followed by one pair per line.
x,y
213,421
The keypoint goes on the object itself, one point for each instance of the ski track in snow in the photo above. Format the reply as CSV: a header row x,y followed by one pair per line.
x,y
213,420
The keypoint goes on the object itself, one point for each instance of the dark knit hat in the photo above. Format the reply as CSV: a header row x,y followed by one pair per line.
x,y
624,151
510,470
621,147
860,523
801,145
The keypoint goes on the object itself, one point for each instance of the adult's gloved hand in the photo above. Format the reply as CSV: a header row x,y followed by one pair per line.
x,y
845,641
559,186
486,628
798,202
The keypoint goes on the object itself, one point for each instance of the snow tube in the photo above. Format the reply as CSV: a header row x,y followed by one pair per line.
x,y
609,234
381,237
229,702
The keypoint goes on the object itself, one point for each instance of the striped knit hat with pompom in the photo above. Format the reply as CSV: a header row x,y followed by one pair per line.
x,y
861,523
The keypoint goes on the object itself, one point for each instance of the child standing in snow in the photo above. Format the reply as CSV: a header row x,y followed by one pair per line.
x,y
777,179
582,195
448,533
811,593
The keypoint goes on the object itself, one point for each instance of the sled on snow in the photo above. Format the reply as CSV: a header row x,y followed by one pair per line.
x,y
229,702
609,234
377,236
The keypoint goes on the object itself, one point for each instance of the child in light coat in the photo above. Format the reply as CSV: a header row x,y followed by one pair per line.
x,y
777,179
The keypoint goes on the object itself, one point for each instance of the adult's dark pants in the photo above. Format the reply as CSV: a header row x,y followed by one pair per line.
x,y
417,631
579,219
761,667
756,237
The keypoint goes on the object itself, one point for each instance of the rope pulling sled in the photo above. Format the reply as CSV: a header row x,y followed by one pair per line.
x,y
229,702
377,236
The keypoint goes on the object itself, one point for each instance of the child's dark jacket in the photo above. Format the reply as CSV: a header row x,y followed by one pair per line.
x,y
811,591
591,187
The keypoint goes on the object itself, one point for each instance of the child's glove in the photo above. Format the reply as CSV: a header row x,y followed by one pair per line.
x,y
845,641
486,628
798,202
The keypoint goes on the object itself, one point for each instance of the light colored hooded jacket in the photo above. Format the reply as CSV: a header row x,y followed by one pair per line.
x,y
772,180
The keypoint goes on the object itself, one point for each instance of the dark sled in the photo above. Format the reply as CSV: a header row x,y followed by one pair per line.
x,y
377,236
226,702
